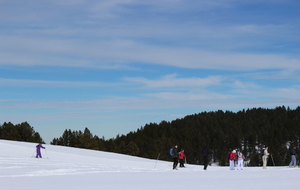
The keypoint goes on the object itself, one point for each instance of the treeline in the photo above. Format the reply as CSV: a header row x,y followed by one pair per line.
x,y
87,140
20,132
247,130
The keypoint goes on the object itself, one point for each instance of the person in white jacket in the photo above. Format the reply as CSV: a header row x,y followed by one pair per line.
x,y
265,158
240,158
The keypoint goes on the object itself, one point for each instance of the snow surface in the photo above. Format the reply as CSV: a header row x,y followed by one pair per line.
x,y
78,169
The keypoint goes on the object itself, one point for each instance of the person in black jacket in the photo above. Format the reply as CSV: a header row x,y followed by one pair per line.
x,y
206,156
293,153
175,157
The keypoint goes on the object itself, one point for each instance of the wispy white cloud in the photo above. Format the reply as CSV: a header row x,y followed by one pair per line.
x,y
288,93
190,97
51,84
158,101
176,82
74,53
245,85
185,42
167,81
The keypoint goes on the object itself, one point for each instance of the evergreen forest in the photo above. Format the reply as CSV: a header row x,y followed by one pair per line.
x,y
248,130
20,132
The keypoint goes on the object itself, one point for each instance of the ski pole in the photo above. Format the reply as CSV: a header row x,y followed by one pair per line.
x,y
156,160
33,154
272,160
46,153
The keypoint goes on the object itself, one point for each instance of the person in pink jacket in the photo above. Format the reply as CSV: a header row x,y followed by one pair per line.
x,y
181,157
240,157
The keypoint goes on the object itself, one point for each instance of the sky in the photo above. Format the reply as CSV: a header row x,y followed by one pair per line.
x,y
77,169
115,65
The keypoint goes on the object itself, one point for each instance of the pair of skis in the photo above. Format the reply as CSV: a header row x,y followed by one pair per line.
x,y
33,155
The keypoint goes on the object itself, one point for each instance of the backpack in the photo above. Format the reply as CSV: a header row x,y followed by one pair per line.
x,y
262,152
171,152
240,155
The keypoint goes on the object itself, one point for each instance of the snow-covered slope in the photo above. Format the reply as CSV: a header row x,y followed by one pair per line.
x,y
77,169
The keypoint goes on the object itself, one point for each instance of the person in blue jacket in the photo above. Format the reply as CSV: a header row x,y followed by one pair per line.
x,y
175,157
293,153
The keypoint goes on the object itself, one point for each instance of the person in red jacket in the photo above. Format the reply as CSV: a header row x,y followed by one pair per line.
x,y
181,157
232,157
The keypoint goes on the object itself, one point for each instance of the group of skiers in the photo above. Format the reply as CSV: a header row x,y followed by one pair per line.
x,y
177,156
293,153
181,156
234,156
237,155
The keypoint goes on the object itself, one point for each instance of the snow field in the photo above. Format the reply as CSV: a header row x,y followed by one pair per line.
x,y
73,168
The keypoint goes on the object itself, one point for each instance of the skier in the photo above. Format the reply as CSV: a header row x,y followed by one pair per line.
x,y
205,154
232,157
38,150
293,153
181,157
240,158
175,157
265,157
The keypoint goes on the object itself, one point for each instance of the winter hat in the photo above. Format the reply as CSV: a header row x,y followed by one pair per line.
x,y
234,151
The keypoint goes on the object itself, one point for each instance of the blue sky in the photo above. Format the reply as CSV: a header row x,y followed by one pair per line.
x,y
115,65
